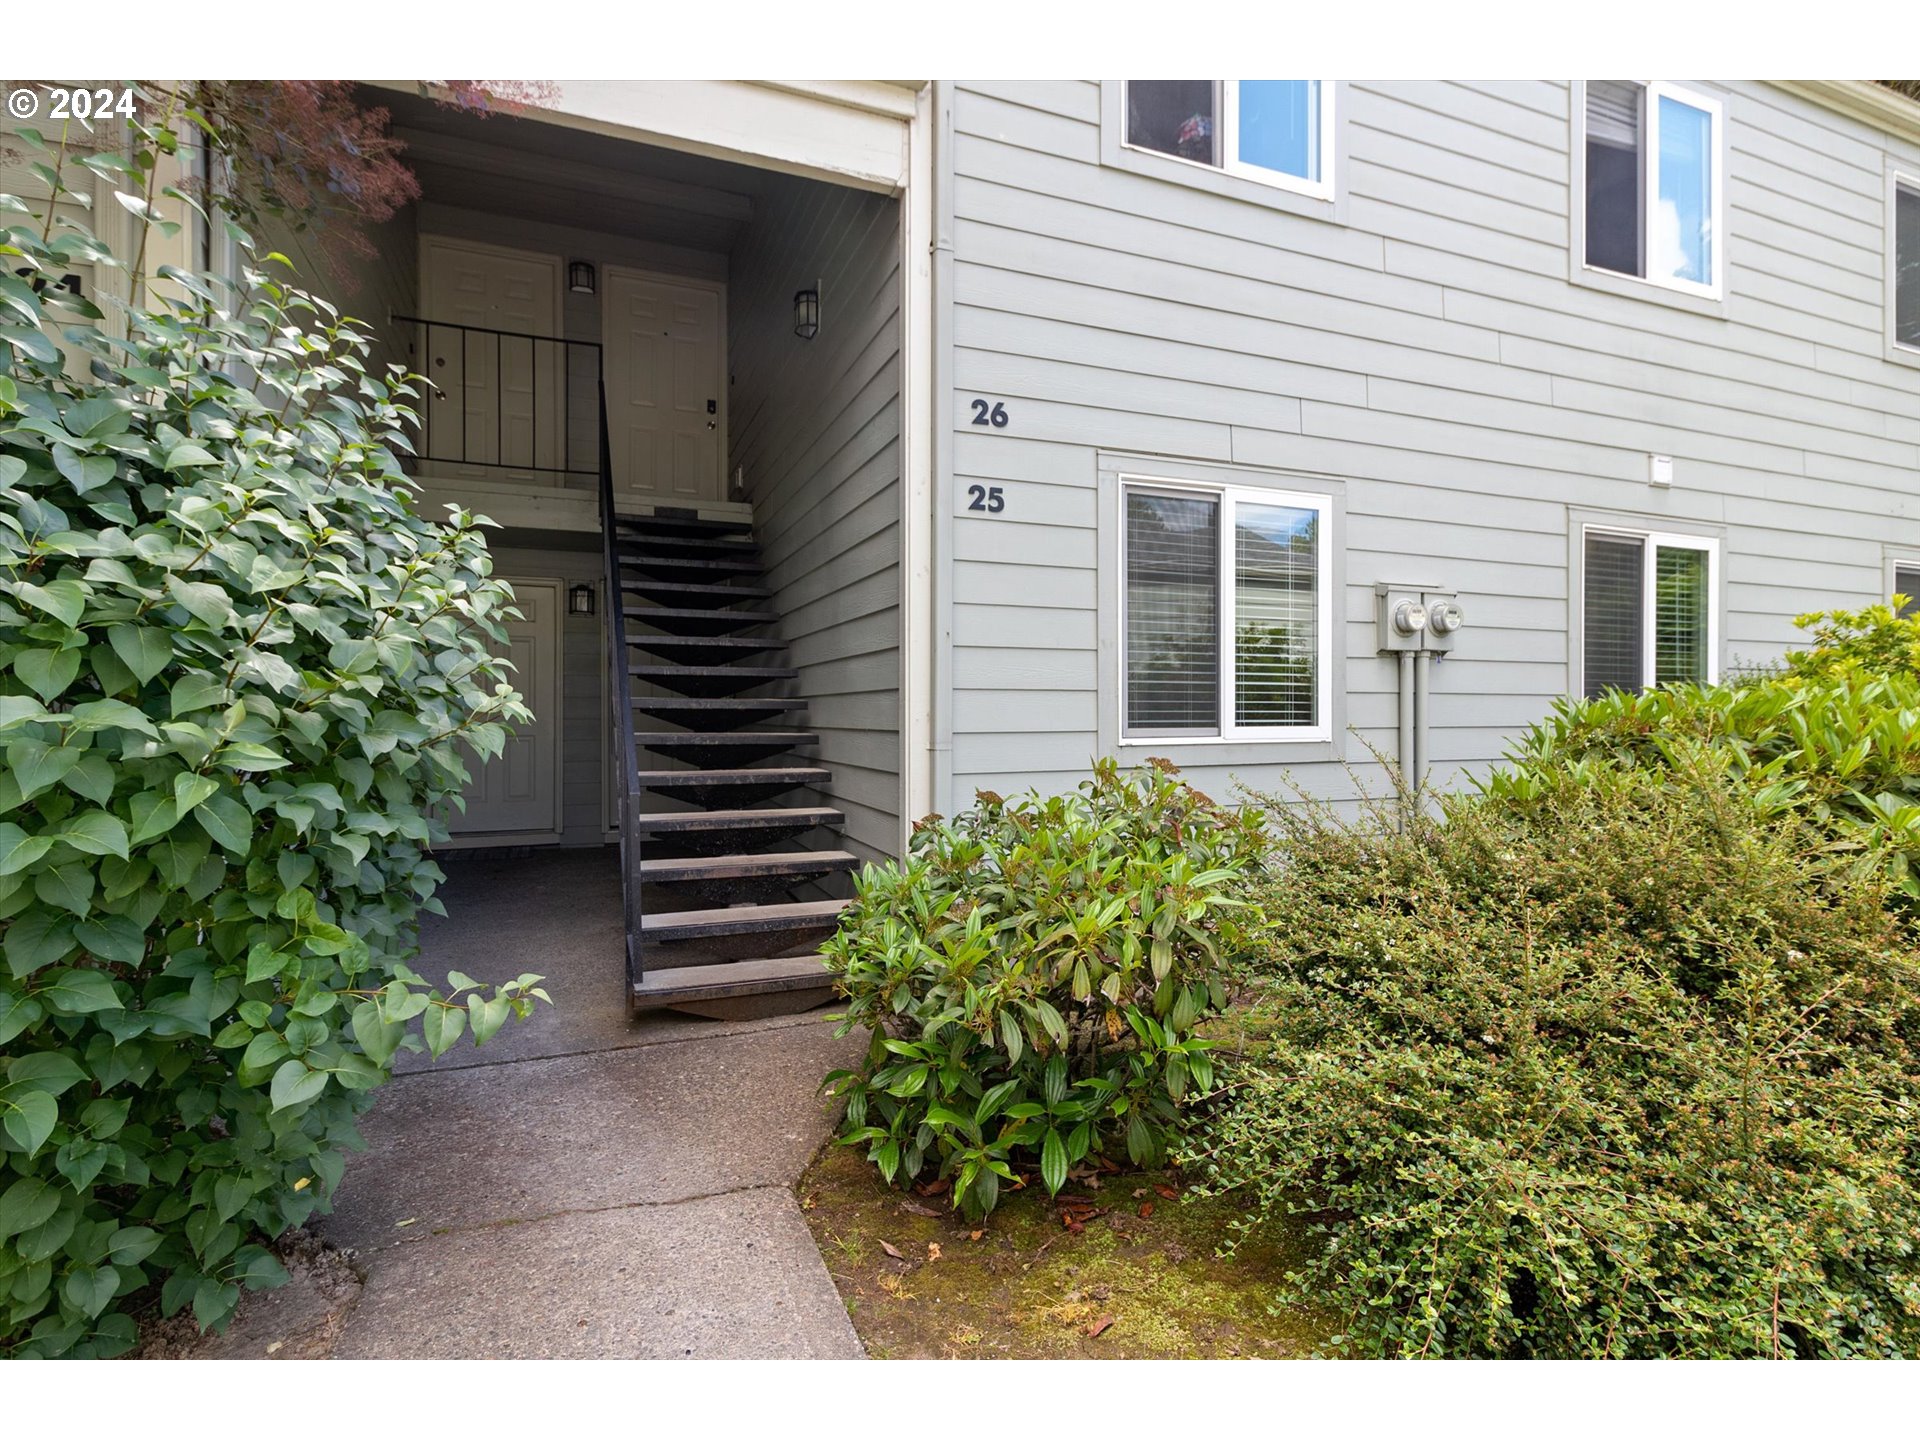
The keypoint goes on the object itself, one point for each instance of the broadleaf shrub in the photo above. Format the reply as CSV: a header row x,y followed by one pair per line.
x,y
236,674
1033,973
1613,1068
1832,741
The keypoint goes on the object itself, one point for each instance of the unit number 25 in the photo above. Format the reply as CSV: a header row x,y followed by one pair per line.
x,y
987,498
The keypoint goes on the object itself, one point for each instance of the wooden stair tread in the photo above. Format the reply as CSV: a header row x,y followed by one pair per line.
x,y
668,822
660,988
682,524
740,919
725,702
797,774
658,614
721,739
763,672
732,867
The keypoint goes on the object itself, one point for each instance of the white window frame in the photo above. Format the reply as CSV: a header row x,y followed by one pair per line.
x,y
1654,541
1228,497
1716,110
1898,180
1230,164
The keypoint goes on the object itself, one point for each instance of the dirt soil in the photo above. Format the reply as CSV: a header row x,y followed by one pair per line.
x,y
298,1321
1122,1266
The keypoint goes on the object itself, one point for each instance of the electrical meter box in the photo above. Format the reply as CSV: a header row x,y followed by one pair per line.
x,y
1444,618
1401,615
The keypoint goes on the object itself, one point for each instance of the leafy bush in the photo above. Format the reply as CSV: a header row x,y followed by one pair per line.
x,y
1878,640
234,669
1614,1071
1831,743
1032,974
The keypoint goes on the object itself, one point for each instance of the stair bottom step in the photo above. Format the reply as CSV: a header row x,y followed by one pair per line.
x,y
799,978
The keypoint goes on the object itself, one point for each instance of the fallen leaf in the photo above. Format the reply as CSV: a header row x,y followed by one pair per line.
x,y
303,1182
1099,1327
1167,1192
1146,1211
275,1346
401,1225
933,1252
1074,1227
891,1251
935,1187
914,1207
975,1234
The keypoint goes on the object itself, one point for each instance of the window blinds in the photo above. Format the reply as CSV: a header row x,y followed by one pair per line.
x,y
1173,612
1679,615
1611,635
1276,615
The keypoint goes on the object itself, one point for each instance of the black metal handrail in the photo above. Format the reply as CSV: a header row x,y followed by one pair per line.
x,y
437,444
620,695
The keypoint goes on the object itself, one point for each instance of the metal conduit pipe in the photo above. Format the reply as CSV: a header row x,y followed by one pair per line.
x,y
1422,675
1406,732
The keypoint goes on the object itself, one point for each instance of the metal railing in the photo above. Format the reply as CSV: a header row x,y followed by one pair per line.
x,y
506,399
620,696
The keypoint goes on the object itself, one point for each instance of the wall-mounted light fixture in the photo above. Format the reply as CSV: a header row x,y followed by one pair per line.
x,y
580,277
806,312
580,600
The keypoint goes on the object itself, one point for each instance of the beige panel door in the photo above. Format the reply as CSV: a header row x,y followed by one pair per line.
x,y
518,791
495,409
666,386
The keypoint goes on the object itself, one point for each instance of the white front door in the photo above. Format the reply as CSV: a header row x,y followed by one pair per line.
x,y
495,406
666,386
518,792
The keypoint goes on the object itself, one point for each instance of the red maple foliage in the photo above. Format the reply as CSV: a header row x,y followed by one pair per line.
x,y
308,155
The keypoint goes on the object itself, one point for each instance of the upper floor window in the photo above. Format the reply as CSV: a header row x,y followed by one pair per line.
x,y
1906,263
1279,132
1653,183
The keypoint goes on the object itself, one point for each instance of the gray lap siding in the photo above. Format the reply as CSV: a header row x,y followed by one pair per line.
x,y
1427,355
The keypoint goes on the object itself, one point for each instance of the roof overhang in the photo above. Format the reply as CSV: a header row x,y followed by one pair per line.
x,y
1864,101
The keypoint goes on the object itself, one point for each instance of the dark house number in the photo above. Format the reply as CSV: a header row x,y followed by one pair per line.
x,y
994,414
987,498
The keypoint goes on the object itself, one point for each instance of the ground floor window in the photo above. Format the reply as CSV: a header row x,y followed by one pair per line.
x,y
1649,612
1226,612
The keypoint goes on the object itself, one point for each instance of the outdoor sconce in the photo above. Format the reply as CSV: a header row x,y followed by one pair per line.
x,y
806,313
580,277
580,600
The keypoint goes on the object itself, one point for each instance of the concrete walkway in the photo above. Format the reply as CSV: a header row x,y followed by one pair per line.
x,y
582,1186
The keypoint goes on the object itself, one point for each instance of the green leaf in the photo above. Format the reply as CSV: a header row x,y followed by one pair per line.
x,y
1053,1162
117,938
18,849
228,822
65,600
28,1116
131,1244
39,766
294,1084
442,1025
92,778
47,672
68,887
188,455
53,1071
37,939
380,1038
112,715
26,1203
79,992
208,603
95,832
87,472
90,1291
190,789
142,649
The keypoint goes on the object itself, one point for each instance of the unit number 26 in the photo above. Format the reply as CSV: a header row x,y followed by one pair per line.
x,y
994,414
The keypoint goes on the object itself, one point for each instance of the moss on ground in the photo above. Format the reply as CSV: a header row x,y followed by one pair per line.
x,y
1141,1279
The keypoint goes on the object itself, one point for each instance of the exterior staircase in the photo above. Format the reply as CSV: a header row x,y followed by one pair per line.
x,y
724,915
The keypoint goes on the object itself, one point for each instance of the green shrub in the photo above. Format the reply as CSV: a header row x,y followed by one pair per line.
x,y
1618,1070
234,670
1032,974
1832,740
